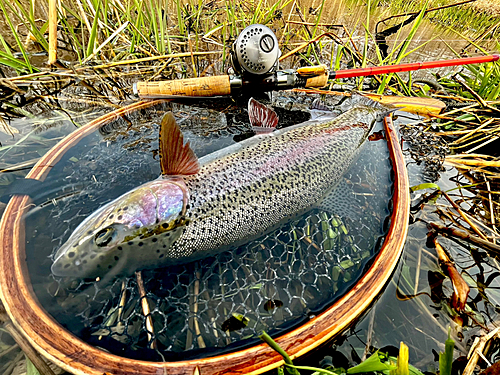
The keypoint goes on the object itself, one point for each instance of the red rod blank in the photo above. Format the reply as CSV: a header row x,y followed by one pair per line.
x,y
412,66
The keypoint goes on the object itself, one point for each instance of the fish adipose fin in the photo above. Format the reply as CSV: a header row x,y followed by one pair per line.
x,y
262,118
176,158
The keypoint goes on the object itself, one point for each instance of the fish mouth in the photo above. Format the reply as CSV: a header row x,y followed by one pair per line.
x,y
60,269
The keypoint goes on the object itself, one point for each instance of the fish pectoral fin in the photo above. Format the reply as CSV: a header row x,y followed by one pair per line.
x,y
176,158
262,118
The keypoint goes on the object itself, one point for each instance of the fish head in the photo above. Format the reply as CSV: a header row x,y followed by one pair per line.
x,y
121,231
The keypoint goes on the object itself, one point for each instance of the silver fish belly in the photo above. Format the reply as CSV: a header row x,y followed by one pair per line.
x,y
240,193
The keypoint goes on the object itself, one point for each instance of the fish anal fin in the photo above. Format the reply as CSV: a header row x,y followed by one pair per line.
x,y
262,118
176,158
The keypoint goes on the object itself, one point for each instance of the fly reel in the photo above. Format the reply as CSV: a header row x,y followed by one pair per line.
x,y
255,51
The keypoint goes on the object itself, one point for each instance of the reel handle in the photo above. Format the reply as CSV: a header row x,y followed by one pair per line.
x,y
203,86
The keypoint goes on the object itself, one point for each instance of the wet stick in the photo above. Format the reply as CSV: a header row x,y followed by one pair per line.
x,y
460,288
476,351
199,337
459,210
146,310
490,202
456,233
28,350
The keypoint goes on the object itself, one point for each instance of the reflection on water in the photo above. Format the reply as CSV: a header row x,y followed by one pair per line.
x,y
218,303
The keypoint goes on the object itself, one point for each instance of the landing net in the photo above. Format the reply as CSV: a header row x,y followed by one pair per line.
x,y
220,303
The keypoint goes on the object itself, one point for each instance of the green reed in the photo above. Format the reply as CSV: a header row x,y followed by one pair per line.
x,y
463,18
379,363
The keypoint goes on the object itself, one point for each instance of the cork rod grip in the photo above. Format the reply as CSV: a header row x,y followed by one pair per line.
x,y
204,86
318,81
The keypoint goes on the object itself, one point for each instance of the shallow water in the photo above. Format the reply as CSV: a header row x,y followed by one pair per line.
x,y
421,322
275,282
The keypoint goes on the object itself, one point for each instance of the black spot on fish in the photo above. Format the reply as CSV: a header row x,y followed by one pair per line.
x,y
125,208
130,243
117,258
120,217
158,250
71,254
154,239
164,246
164,225
120,248
110,266
111,216
140,244
66,265
93,256
84,261
167,234
161,255
83,255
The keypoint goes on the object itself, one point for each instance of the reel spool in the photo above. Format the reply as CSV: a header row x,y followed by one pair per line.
x,y
255,51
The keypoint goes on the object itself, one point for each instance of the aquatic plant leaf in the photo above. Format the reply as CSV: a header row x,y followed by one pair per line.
x,y
446,358
30,368
424,186
412,370
288,361
403,361
374,363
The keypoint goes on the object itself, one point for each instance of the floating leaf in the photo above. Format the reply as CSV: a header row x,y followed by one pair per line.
x,y
424,186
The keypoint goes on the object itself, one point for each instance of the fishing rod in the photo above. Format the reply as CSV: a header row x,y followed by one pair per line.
x,y
255,62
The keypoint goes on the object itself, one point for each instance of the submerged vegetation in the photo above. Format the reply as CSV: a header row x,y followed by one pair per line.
x,y
105,45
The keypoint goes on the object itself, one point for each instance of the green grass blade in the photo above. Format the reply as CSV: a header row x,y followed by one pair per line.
x,y
93,32
16,37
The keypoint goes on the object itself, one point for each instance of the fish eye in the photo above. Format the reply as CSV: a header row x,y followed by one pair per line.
x,y
104,236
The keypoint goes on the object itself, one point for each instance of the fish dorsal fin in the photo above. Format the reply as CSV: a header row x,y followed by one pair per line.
x,y
176,158
262,118
319,109
319,105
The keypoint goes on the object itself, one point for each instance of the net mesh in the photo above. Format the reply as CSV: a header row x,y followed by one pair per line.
x,y
220,303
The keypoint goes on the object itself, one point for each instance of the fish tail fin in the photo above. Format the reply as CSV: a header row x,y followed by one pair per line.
x,y
376,101
372,100
262,118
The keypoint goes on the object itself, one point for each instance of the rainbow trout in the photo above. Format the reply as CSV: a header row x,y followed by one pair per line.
x,y
200,207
